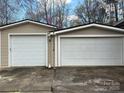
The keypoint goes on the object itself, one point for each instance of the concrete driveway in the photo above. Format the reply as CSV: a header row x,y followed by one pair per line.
x,y
62,80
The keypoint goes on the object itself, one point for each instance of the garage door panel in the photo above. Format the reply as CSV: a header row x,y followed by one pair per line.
x,y
28,50
94,62
90,51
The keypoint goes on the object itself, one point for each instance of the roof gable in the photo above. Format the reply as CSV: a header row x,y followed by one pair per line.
x,y
26,21
89,26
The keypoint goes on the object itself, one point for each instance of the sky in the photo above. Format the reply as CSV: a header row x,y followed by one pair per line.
x,y
72,4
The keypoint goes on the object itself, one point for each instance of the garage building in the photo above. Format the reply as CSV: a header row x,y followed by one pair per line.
x,y
31,43
24,43
89,45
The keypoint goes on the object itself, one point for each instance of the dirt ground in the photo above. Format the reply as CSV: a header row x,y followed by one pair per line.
x,y
94,79
62,80
31,79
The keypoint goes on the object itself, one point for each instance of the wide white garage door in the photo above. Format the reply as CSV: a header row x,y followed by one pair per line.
x,y
90,51
28,50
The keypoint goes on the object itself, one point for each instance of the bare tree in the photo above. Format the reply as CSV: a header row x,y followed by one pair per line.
x,y
90,11
121,8
7,11
113,11
53,12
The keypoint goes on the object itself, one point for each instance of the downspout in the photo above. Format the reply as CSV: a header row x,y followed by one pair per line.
x,y
53,36
48,49
52,40
0,50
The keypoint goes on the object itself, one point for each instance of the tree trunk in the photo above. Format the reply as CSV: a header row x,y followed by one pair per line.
x,y
122,8
6,11
116,11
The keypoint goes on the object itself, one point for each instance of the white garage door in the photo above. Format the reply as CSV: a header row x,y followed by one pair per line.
x,y
90,51
28,50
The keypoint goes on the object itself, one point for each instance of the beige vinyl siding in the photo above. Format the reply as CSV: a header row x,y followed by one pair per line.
x,y
23,28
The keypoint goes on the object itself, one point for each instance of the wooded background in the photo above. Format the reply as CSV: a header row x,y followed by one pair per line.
x,y
60,14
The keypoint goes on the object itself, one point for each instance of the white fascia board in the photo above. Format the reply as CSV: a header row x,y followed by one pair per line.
x,y
90,25
109,27
26,21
